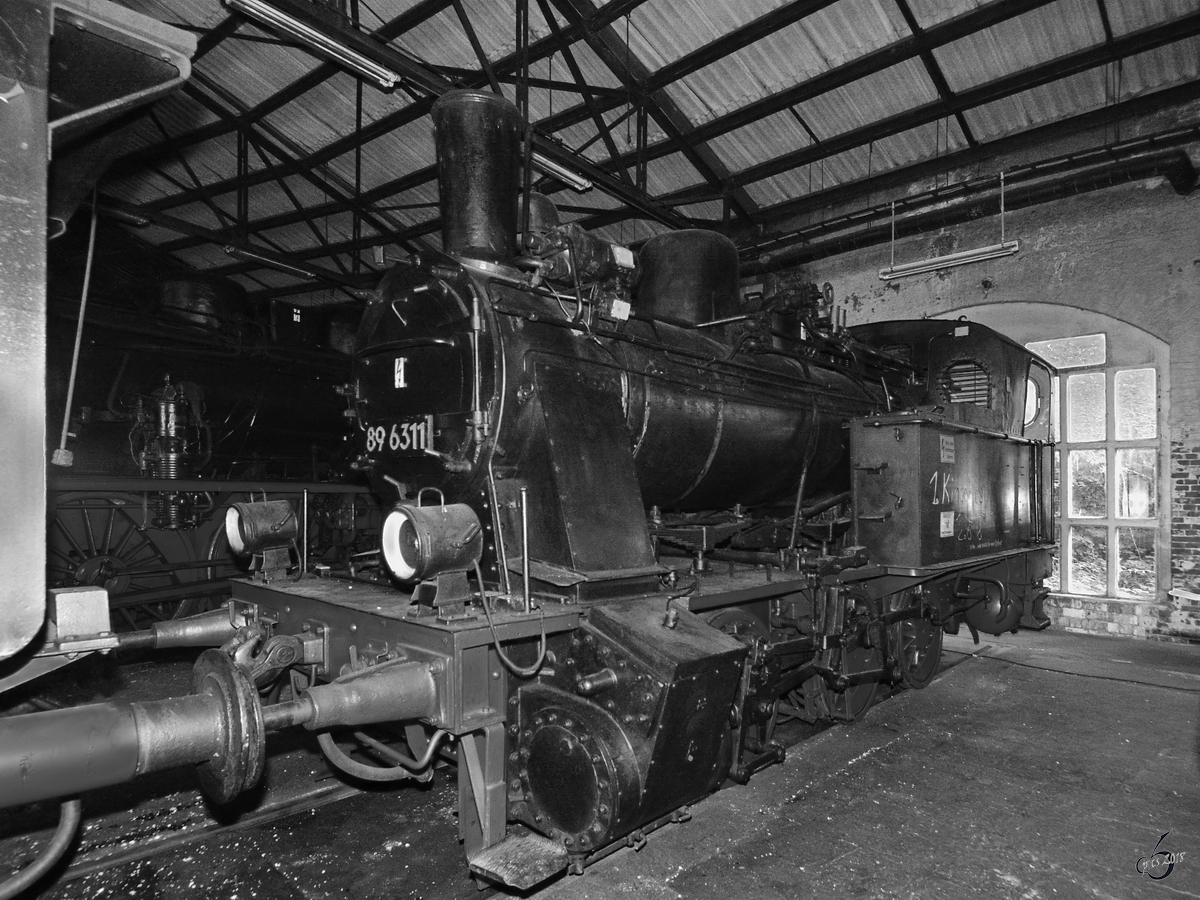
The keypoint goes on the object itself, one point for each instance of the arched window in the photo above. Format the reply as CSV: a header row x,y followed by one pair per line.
x,y
1111,455
1107,469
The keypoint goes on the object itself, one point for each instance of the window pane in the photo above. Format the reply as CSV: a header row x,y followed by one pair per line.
x,y
1056,486
1072,352
1055,407
1137,405
1137,483
1086,413
1087,484
1033,401
1135,576
1087,570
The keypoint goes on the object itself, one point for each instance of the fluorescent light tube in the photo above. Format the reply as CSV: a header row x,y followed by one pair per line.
x,y
322,43
563,174
278,264
962,258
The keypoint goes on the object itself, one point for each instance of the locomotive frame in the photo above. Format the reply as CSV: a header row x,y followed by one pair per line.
x,y
660,518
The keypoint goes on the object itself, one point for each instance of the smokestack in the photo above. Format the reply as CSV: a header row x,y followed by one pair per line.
x,y
477,150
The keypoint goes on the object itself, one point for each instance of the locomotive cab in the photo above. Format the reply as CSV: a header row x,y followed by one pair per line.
x,y
971,373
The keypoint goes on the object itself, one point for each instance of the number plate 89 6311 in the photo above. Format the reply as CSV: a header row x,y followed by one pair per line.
x,y
406,436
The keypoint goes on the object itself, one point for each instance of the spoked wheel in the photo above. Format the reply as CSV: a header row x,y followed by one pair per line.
x,y
748,628
816,701
97,539
916,646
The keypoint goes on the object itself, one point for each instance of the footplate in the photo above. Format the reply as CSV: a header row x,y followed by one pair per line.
x,y
521,860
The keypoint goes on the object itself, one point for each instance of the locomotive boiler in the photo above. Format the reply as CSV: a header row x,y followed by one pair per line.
x,y
633,521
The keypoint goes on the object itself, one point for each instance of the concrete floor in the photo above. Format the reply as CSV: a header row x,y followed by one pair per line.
x,y
1043,765
1040,765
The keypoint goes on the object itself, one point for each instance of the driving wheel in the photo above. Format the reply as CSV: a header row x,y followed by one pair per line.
x,y
747,628
916,645
98,540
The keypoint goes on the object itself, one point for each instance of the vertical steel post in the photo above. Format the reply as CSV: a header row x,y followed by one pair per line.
x,y
24,80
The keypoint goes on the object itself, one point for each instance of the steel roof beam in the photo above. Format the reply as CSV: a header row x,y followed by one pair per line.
x,y
1054,70
901,178
1027,79
295,201
278,145
589,100
934,70
541,49
615,54
323,72
869,64
599,176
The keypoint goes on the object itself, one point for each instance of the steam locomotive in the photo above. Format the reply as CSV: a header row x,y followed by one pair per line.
x,y
632,519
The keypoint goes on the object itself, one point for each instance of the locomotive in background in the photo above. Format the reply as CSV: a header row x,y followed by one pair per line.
x,y
633,522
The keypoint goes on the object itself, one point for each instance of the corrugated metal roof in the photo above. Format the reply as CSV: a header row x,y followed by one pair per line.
x,y
1021,43
828,38
933,12
886,154
890,106
658,35
1128,17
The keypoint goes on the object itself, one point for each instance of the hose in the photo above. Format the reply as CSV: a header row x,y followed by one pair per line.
x,y
341,761
519,671
68,824
414,765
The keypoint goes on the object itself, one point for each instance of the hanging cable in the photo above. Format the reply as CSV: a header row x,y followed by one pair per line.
x,y
62,456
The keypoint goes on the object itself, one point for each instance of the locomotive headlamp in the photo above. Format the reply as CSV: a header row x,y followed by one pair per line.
x,y
268,531
420,542
257,527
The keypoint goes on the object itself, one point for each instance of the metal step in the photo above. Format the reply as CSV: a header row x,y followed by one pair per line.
x,y
521,860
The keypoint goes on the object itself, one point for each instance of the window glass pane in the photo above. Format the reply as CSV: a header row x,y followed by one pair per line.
x,y
1137,405
1137,483
1087,483
1072,352
1033,400
1056,486
1087,567
1135,575
1055,427
1054,583
1086,411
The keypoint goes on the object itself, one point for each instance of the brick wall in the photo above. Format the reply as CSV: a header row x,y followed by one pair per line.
x,y
1126,618
1183,612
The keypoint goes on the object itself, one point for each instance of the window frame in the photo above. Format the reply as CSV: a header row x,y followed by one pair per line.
x,y
1110,444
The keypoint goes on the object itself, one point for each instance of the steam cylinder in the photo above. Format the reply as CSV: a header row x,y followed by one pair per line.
x,y
476,135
